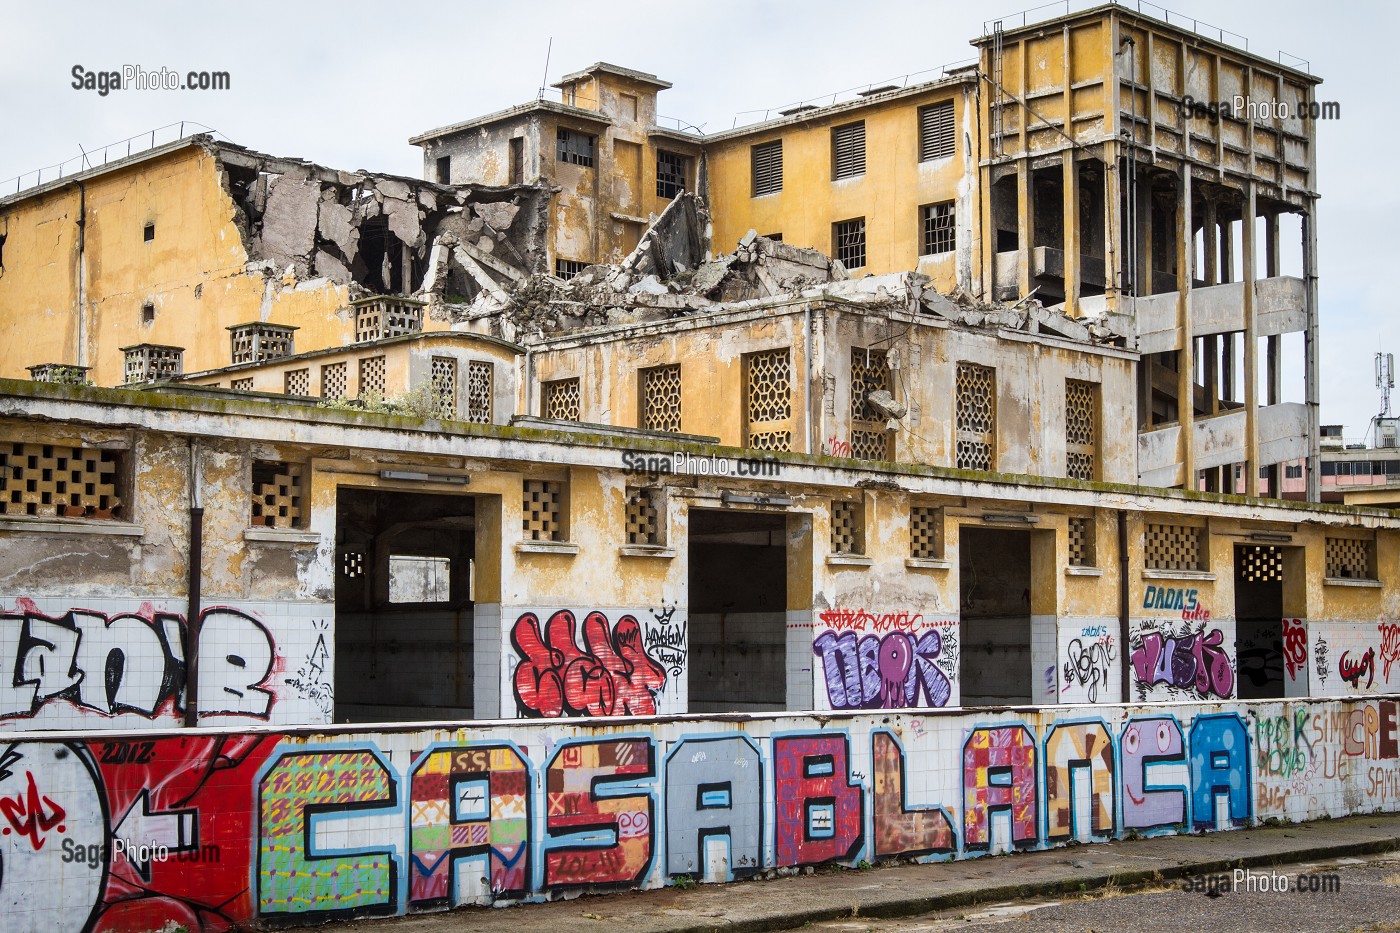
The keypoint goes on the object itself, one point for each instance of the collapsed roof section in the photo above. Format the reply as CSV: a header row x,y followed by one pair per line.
x,y
672,274
370,231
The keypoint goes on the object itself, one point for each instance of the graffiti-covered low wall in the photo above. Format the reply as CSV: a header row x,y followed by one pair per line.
x,y
124,832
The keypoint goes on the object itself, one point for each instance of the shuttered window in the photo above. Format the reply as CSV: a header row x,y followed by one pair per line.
x,y
768,168
848,150
936,131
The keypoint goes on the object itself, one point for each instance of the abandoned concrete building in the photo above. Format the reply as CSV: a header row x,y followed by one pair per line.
x,y
878,405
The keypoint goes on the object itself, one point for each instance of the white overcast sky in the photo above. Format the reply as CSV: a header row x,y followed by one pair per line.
x,y
346,84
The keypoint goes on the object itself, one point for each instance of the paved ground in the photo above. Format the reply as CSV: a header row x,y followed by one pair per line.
x,y
1353,894
952,888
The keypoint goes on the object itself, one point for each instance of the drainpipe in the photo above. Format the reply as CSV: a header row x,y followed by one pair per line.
x,y
82,354
807,375
195,564
1124,605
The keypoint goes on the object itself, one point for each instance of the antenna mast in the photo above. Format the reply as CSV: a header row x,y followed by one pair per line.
x,y
1385,380
545,79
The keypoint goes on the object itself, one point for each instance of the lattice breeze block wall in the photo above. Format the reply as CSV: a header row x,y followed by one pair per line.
x,y
1173,547
70,482
661,398
378,318
254,343
297,382
768,399
242,385
1081,429
561,400
975,417
480,390
151,363
869,373
333,380
277,494
644,506
847,528
1081,542
1258,564
372,373
925,532
542,510
444,373
1350,559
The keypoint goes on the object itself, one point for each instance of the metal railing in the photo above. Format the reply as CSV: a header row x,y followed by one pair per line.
x,y
1200,27
861,90
92,158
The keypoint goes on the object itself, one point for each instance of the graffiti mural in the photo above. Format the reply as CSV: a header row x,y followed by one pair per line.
x,y
885,660
611,675
1189,659
1091,669
1075,752
98,836
113,665
1352,658
1295,649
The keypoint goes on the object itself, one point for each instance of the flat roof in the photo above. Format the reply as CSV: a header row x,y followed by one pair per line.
x,y
511,113
643,77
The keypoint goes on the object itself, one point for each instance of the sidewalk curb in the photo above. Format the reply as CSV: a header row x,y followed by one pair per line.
x,y
895,907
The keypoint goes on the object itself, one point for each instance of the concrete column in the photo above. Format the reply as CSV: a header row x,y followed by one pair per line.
x,y
1025,225
1251,345
1112,226
1071,233
1310,352
1185,270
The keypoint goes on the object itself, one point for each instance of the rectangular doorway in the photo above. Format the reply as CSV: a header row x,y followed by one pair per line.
x,y
994,578
737,611
1259,621
403,607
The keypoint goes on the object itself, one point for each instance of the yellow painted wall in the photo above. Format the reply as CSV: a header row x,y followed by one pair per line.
x,y
193,272
888,195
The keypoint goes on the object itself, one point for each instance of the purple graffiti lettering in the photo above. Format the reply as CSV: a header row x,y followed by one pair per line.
x,y
1194,662
882,672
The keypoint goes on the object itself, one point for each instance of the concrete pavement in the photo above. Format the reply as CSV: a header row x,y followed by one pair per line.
x,y
898,890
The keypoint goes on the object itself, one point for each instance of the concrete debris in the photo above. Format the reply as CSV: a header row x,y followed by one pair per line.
x,y
377,234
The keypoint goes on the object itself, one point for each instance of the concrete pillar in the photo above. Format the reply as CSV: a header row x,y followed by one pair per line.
x,y
1251,345
1071,233
1025,225
1185,270
1310,352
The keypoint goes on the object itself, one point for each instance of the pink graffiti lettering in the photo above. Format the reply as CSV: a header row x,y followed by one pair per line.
x,y
1195,661
1295,646
836,447
32,814
613,676
1352,670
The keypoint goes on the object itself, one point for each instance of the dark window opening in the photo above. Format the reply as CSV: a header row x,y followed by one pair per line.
x,y
380,263
516,161
404,606
850,243
1293,471
936,139
671,171
568,268
1259,610
848,150
2,252
940,231
994,568
444,170
148,313
577,148
767,161
738,581
148,233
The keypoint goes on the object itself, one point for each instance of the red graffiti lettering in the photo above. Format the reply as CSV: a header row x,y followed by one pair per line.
x,y
612,676
1351,671
1390,645
1295,646
31,814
